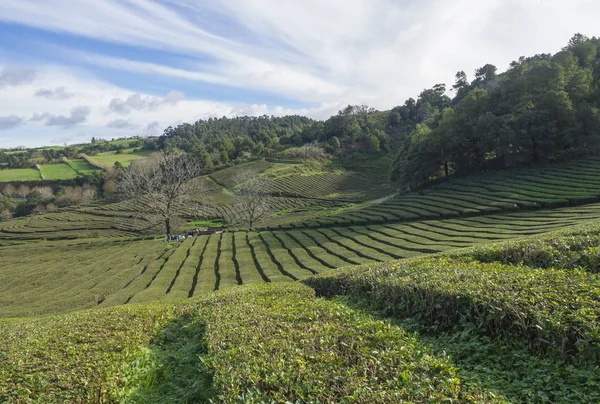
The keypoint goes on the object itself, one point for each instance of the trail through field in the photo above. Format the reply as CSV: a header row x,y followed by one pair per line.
x,y
385,198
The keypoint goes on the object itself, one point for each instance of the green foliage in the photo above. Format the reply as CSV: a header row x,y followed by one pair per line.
x,y
573,250
233,136
287,346
305,152
550,309
543,108
73,358
513,371
173,369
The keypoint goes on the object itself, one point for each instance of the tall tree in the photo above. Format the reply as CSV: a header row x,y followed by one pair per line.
x,y
164,187
251,198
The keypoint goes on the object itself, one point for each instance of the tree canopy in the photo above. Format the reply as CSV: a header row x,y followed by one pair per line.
x,y
542,108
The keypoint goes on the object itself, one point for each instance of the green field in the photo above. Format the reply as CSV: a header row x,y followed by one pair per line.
x,y
111,159
19,174
480,290
82,167
60,171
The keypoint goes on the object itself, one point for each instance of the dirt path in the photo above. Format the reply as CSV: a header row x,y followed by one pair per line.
x,y
385,198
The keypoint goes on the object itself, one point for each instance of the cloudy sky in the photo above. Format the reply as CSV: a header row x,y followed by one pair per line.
x,y
72,69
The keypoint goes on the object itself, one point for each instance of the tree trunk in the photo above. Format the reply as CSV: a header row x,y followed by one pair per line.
x,y
446,168
168,225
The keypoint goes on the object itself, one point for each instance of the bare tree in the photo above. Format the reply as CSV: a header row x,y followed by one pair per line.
x,y
251,197
164,187
309,151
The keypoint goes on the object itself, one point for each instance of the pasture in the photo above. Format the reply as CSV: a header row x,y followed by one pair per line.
x,y
110,158
20,174
60,171
82,167
57,171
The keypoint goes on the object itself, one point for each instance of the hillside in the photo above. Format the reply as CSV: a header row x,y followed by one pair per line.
x,y
482,289
135,267
285,344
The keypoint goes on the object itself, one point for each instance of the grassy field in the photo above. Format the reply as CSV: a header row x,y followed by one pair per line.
x,y
20,174
82,167
109,159
60,171
124,159
482,290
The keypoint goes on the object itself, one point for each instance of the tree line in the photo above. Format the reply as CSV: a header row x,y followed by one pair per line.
x,y
543,108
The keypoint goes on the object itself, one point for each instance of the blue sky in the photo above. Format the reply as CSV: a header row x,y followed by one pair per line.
x,y
70,70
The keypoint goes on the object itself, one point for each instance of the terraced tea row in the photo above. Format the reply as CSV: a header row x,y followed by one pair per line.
x,y
305,181
346,186
66,225
65,275
550,187
225,178
281,207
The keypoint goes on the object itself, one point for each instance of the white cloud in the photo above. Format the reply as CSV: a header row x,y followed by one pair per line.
x,y
77,116
90,108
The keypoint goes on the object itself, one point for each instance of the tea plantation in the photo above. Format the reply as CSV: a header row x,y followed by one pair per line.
x,y
483,289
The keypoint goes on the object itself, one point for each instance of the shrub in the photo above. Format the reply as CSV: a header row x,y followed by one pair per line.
x,y
278,343
579,250
305,152
551,309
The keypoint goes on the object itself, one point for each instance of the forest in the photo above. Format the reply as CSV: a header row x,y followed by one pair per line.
x,y
543,108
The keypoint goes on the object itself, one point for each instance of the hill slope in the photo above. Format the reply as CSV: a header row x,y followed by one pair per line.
x,y
286,344
324,310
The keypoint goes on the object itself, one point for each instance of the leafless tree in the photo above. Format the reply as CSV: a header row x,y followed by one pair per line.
x,y
164,187
251,198
309,151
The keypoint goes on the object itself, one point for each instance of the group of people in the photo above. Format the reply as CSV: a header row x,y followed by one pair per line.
x,y
173,237
193,233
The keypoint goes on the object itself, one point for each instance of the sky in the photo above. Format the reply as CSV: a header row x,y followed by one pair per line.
x,y
71,70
